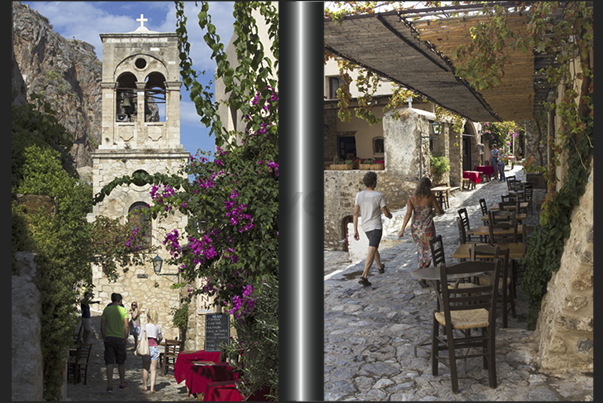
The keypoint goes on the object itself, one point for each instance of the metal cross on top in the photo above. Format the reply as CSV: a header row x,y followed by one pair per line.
x,y
142,20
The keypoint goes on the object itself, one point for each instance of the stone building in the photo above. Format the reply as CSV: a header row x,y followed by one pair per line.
x,y
140,132
403,141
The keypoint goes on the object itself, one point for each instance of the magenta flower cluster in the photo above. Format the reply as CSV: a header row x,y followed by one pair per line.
x,y
132,239
234,211
159,198
272,167
243,305
172,244
264,110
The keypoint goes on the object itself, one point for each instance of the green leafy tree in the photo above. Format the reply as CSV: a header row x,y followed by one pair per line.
x,y
64,242
231,240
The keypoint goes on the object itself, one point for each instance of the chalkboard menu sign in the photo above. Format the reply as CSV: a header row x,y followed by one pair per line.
x,y
217,330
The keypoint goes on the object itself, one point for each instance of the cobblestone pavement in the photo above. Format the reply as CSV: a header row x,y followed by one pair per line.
x,y
370,332
95,389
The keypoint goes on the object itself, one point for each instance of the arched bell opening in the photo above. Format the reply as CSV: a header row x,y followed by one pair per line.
x,y
126,98
155,99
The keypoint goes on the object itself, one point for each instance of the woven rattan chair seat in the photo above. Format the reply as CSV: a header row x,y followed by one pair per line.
x,y
468,319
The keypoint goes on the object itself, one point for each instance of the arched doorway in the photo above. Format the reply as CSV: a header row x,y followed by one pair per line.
x,y
344,229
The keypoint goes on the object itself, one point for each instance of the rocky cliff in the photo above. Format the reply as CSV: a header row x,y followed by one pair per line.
x,y
65,71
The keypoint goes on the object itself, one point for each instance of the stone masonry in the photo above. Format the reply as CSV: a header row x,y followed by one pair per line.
x,y
406,160
138,65
565,324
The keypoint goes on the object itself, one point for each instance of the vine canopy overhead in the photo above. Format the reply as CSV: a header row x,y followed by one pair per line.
x,y
420,54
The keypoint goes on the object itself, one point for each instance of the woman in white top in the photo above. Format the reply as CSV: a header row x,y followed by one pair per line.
x,y
149,362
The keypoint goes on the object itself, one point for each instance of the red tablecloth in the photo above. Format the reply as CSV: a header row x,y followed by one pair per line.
x,y
202,375
487,169
223,391
182,367
473,176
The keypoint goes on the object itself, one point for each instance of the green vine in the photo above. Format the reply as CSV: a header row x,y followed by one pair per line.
x,y
543,257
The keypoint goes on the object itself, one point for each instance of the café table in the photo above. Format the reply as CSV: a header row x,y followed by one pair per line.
x,y
522,205
517,250
484,230
222,391
519,217
439,190
206,372
431,275
185,359
473,176
485,169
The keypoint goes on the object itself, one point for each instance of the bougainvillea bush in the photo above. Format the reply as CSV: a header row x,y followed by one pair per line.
x,y
229,248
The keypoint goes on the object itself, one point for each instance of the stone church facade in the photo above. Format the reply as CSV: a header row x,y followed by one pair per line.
x,y
141,132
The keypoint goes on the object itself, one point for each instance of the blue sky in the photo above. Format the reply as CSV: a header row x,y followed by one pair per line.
x,y
86,20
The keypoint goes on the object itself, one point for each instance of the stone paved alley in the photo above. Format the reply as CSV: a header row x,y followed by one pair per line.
x,y
166,388
370,332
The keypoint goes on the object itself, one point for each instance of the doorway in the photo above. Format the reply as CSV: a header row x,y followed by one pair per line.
x,y
467,163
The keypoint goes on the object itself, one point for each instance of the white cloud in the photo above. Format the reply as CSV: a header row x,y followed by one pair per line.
x,y
86,20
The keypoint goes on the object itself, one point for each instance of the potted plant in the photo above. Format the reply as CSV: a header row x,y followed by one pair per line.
x,y
337,165
439,166
370,165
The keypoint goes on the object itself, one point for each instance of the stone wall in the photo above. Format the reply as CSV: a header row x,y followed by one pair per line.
x,y
27,364
565,324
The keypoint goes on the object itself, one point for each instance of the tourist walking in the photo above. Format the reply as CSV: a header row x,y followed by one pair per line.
x,y
149,362
420,206
494,160
135,322
85,306
501,166
115,330
369,204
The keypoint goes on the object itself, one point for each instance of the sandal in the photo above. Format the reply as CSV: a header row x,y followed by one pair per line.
x,y
382,269
364,281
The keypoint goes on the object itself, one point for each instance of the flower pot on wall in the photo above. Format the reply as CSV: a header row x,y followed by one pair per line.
x,y
376,166
342,167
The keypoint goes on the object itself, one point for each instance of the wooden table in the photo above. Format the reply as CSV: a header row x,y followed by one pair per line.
x,y
516,250
439,190
522,205
485,230
519,217
485,169
474,176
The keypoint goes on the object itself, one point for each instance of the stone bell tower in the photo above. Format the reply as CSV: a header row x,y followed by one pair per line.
x,y
140,132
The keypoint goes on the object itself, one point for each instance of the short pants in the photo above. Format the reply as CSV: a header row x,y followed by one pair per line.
x,y
115,350
87,324
153,354
374,237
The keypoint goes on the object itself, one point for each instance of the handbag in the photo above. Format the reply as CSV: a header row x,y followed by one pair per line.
x,y
143,343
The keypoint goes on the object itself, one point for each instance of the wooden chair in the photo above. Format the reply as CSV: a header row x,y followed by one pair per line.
x,y
465,221
437,250
78,363
503,222
484,208
172,348
528,190
464,309
506,199
505,286
461,228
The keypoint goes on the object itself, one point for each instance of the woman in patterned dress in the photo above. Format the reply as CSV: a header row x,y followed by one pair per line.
x,y
420,206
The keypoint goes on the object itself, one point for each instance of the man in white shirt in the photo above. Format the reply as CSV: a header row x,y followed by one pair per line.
x,y
369,205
